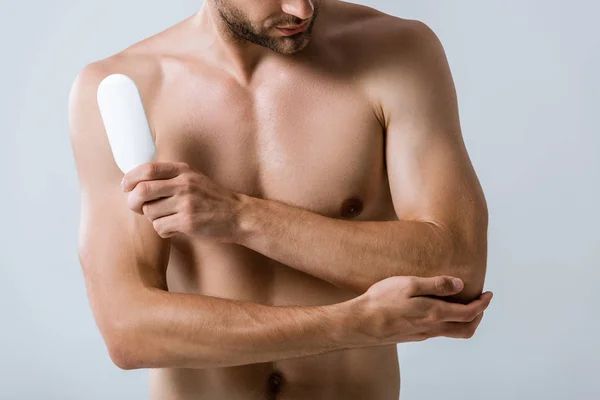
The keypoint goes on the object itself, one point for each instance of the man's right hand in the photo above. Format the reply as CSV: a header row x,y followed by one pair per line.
x,y
399,309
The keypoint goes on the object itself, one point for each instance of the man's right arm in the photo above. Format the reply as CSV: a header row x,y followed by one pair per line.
x,y
124,265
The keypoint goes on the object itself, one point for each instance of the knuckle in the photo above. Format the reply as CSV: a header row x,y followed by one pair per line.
x,y
160,229
443,284
461,316
157,226
412,284
429,318
440,313
472,317
187,223
469,332
142,188
186,184
132,201
436,313
188,205
465,318
179,186
413,281
150,170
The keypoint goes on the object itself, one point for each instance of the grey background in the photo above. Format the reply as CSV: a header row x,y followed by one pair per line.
x,y
527,75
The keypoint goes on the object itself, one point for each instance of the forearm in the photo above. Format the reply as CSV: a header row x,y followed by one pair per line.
x,y
190,331
351,254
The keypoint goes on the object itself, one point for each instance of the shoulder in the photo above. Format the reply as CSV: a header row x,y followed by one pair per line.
x,y
142,61
370,32
143,67
391,57
379,41
404,52
93,157
378,46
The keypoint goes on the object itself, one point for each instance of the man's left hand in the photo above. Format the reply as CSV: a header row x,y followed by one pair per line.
x,y
178,199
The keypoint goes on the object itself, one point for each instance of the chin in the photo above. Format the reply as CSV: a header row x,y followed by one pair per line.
x,y
290,45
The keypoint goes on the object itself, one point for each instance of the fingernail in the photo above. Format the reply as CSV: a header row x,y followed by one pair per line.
x,y
458,284
123,183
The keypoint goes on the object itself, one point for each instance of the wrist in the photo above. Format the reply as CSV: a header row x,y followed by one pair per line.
x,y
245,224
353,317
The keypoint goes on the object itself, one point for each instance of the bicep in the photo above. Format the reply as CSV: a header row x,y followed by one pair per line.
x,y
430,173
120,253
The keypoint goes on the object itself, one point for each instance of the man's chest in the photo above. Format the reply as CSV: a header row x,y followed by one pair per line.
x,y
313,143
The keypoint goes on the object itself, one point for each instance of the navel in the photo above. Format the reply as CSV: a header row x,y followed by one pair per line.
x,y
275,382
351,207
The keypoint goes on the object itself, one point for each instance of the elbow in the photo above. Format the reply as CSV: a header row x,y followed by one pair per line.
x,y
130,332
467,255
124,349
121,357
473,276
469,263
472,273
127,337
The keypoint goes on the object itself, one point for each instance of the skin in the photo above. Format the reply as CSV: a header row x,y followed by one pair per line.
x,y
311,200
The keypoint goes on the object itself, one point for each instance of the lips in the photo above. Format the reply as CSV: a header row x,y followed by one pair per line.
x,y
294,29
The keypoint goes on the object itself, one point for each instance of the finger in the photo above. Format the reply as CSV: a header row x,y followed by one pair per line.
x,y
460,330
160,208
437,286
149,190
151,171
167,226
457,312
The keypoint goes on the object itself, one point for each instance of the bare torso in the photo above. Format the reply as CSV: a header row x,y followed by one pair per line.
x,y
303,131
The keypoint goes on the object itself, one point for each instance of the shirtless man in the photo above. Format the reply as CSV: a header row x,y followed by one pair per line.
x,y
312,199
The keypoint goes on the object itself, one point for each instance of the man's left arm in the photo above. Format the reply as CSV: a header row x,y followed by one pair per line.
x,y
436,194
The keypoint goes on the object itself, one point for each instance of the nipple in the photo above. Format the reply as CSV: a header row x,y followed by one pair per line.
x,y
351,207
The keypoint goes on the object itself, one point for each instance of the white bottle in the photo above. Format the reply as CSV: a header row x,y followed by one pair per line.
x,y
125,122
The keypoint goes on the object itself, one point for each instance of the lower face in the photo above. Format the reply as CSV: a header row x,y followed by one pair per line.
x,y
251,26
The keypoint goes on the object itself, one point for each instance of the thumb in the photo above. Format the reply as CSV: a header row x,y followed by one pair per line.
x,y
438,286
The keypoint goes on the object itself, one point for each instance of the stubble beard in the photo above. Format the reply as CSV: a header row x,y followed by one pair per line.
x,y
241,28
